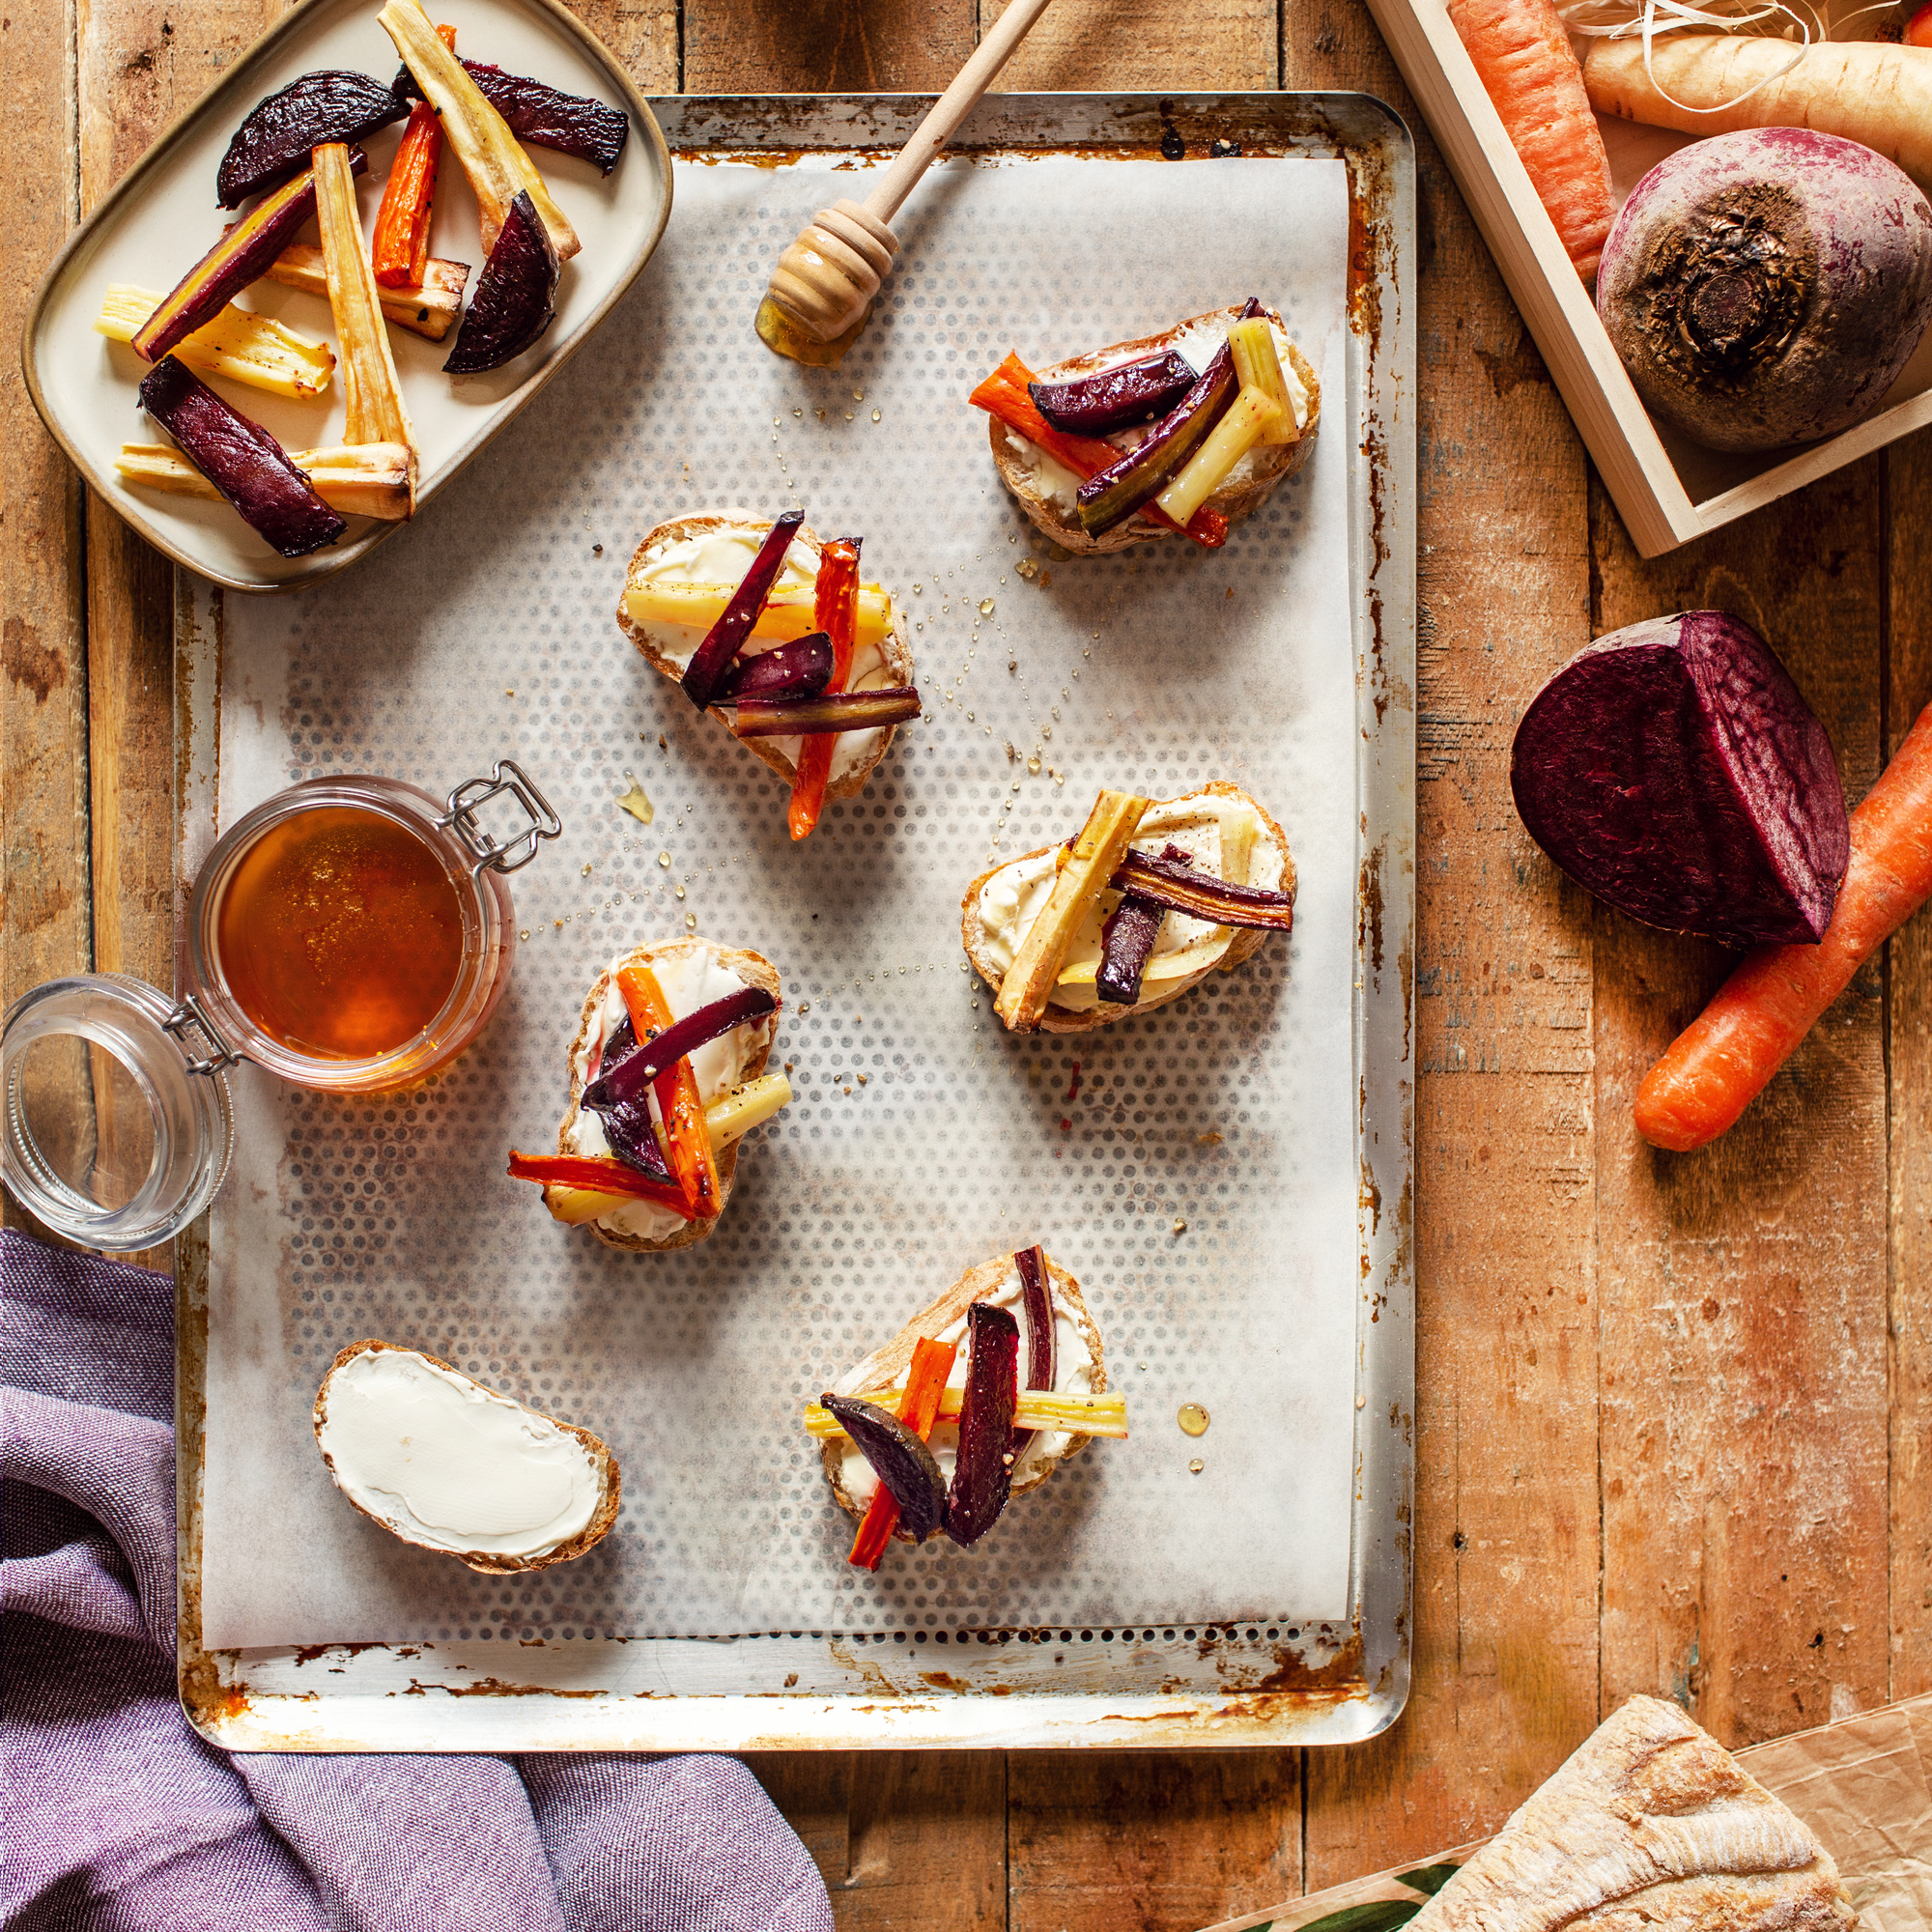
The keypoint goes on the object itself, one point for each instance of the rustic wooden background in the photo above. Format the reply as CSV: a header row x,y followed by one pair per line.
x,y
1673,1417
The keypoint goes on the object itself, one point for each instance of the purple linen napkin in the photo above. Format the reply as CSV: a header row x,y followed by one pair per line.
x,y
118,1818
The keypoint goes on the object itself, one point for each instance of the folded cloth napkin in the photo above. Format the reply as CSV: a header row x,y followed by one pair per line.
x,y
118,1816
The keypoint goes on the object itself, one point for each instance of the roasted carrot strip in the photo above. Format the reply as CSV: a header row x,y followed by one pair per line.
x,y
400,246
836,610
598,1175
679,1101
925,1384
1521,51
1004,395
1726,1057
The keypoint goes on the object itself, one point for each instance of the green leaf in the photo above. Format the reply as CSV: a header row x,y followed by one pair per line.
x,y
1429,1878
1381,1914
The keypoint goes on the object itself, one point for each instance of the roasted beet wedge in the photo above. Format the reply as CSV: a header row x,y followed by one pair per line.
x,y
900,1460
1036,1305
628,1076
982,1475
726,637
1127,393
242,459
1116,493
274,142
1126,939
544,116
627,1122
801,668
246,251
514,298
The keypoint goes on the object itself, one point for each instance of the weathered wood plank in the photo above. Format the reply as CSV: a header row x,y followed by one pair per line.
x,y
1210,45
1908,1067
641,32
44,929
1506,1543
824,47
1743,1287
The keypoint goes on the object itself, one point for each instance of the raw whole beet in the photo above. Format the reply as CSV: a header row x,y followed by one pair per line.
x,y
1766,287
1673,768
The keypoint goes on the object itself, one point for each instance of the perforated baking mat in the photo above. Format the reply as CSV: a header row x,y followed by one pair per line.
x,y
1228,1177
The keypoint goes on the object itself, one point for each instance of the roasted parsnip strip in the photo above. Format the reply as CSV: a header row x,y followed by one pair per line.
x,y
428,310
1081,877
252,349
491,156
372,394
790,611
1083,1414
370,479
1258,366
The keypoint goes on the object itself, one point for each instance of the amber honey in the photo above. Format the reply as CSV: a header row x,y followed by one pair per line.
x,y
340,933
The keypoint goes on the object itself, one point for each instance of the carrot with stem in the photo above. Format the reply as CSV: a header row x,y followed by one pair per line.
x,y
679,1101
1727,1056
1004,395
400,246
925,1384
1522,54
835,612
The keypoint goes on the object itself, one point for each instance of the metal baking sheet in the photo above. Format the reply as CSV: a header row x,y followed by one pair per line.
x,y
1159,1681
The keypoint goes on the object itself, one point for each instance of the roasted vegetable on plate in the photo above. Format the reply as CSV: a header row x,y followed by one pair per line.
x,y
978,1399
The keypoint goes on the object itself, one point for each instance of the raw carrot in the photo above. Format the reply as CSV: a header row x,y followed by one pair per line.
x,y
1523,58
1004,395
836,610
1726,1057
679,1101
1918,29
400,244
595,1174
1865,91
926,1383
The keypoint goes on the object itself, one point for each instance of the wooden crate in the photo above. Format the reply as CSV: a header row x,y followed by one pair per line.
x,y
1668,488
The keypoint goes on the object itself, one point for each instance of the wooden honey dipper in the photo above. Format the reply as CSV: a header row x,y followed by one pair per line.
x,y
821,291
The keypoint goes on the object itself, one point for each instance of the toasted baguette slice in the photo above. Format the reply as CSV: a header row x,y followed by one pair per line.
x,y
1268,463
1242,943
754,970
1651,1825
492,1563
886,1368
656,649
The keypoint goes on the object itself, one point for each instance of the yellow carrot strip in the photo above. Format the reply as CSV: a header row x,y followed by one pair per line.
x,y
1079,1414
235,342
789,612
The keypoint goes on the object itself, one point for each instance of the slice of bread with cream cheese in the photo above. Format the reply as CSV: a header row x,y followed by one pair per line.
x,y
1044,488
1079,1369
691,972
1227,833
719,548
447,1465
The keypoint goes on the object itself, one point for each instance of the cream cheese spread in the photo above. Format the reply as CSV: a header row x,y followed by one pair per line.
x,y
688,980
1223,835
724,556
1197,345
445,1462
1073,1375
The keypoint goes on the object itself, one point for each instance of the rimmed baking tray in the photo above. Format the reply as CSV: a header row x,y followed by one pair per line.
x,y
1173,1683
161,214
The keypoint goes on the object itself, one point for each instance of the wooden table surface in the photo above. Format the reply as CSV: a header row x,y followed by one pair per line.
x,y
1673,1416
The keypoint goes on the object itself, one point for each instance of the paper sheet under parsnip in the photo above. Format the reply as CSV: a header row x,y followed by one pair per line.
x,y
924,1138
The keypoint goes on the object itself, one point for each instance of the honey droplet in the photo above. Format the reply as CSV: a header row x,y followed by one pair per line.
x,y
664,860
1195,1467
637,801
524,933
677,891
1180,1226
1027,568
986,607
690,921
1193,1419
875,416
805,1005
1033,766
586,869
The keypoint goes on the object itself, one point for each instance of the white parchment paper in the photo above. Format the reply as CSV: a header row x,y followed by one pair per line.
x,y
1194,1168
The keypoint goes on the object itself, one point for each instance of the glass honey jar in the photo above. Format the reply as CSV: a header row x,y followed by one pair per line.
x,y
350,935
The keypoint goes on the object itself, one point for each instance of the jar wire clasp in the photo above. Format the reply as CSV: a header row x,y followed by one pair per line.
x,y
505,776
187,1014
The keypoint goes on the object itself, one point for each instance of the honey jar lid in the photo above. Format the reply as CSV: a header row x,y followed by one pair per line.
x,y
118,1123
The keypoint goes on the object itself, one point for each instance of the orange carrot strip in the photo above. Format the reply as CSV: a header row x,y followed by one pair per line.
x,y
1726,1058
598,1175
835,612
925,1384
400,246
679,1101
1523,54
1004,395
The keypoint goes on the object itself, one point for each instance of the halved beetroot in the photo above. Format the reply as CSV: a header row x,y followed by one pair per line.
x,y
1673,768
516,295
